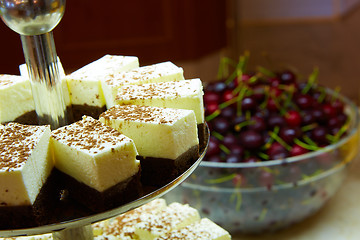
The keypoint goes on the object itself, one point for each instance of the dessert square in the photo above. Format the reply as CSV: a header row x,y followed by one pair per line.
x,y
99,164
165,138
173,217
186,94
160,72
15,91
25,167
86,95
203,229
123,226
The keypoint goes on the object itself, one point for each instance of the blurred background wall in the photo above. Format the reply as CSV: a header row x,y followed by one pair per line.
x,y
302,34
156,30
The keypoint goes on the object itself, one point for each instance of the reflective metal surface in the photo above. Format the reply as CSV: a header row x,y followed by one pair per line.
x,y
34,20
32,17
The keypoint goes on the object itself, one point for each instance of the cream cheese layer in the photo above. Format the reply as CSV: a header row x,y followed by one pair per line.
x,y
203,229
160,72
173,217
157,132
186,94
84,84
15,97
123,226
94,153
25,162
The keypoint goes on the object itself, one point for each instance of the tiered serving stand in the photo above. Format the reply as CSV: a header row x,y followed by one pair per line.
x,y
34,20
80,228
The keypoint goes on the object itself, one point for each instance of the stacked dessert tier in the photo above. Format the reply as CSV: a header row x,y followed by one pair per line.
x,y
154,220
133,127
159,220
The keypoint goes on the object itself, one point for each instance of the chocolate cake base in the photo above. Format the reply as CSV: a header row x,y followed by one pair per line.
x,y
96,201
15,217
29,118
161,171
80,110
49,200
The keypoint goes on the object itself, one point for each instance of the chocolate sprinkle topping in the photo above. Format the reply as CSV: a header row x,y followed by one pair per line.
x,y
17,142
89,134
142,113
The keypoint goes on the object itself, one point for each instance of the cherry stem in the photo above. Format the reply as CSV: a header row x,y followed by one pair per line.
x,y
311,81
213,115
279,140
306,146
224,149
217,135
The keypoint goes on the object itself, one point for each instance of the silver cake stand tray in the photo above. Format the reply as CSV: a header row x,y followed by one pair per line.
x,y
81,229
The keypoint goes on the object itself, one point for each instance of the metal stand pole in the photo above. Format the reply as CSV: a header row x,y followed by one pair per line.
x,y
41,61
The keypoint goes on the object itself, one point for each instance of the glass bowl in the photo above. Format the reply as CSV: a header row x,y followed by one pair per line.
x,y
270,195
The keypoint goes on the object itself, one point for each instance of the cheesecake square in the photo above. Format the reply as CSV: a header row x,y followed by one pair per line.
x,y
160,72
173,217
15,91
25,168
98,164
203,229
186,94
123,226
84,84
165,138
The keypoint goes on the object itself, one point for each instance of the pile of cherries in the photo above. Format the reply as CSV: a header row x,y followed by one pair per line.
x,y
263,116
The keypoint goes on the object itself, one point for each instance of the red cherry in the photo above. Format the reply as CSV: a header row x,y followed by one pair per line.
x,y
319,134
259,93
221,125
329,110
252,159
275,92
293,118
271,105
338,106
230,140
288,134
274,82
277,151
227,95
211,97
257,123
287,77
211,107
248,103
297,150
214,147
245,78
251,139
304,101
